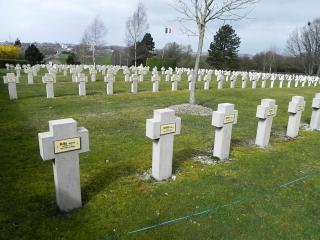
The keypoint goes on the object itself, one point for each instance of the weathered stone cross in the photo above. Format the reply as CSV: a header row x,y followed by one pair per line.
x,y
63,143
265,113
162,129
223,120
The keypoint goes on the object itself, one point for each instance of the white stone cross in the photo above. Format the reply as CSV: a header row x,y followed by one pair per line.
x,y
265,113
162,70
126,73
155,82
155,71
244,80
82,79
63,143
18,69
49,80
296,81
12,86
207,79
190,79
141,76
289,81
281,79
134,83
264,82
93,75
200,75
109,79
168,74
162,129
296,107
233,80
273,79
30,76
220,79
315,117
223,120
254,82
174,82
35,70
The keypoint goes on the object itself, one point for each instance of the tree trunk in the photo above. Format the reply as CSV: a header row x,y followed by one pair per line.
x,y
135,53
192,99
318,71
93,56
310,69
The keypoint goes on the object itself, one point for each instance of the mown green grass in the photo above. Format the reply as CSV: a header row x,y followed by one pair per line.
x,y
101,60
63,57
116,201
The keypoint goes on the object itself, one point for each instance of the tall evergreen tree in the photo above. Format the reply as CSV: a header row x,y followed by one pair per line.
x,y
17,43
33,55
148,42
145,49
223,51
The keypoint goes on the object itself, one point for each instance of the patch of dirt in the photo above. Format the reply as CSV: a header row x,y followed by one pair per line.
x,y
207,158
196,110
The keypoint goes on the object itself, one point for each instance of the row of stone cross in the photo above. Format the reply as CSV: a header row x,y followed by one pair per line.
x,y
65,141
203,74
78,76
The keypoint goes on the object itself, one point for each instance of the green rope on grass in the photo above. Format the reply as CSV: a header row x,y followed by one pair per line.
x,y
229,204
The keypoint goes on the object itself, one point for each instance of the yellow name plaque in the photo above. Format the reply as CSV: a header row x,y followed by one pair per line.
x,y
167,129
67,145
271,112
300,107
228,119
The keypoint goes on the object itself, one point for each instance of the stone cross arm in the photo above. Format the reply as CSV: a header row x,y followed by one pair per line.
x,y
297,105
222,118
64,138
163,124
264,112
11,78
316,101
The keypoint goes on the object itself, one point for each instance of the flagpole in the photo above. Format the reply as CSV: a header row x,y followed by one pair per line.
x,y
165,33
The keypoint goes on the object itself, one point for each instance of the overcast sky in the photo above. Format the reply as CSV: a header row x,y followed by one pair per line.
x,y
270,22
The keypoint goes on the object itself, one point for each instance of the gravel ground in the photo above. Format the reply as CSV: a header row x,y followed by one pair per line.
x,y
210,160
192,110
147,176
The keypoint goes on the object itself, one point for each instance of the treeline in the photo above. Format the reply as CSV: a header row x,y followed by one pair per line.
x,y
269,62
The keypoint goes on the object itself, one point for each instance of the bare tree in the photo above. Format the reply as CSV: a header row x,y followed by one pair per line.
x,y
94,36
202,12
81,51
137,26
267,61
304,44
270,59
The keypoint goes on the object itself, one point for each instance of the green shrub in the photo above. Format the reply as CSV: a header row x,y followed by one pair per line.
x,y
33,55
161,62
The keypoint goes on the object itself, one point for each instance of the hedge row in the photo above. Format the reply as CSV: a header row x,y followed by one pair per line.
x,y
161,62
3,62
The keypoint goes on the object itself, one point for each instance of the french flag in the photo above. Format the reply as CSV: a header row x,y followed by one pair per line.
x,y
168,30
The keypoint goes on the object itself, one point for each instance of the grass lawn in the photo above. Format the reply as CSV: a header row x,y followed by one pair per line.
x,y
116,201
101,60
63,57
